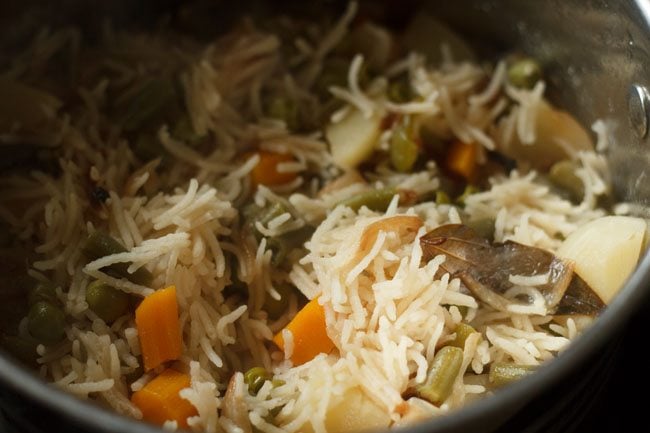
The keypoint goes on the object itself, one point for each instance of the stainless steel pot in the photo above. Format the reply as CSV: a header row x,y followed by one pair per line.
x,y
595,52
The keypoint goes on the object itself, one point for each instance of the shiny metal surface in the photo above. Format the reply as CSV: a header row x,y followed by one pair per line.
x,y
638,107
593,51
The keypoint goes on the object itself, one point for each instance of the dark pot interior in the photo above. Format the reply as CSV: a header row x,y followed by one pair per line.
x,y
595,52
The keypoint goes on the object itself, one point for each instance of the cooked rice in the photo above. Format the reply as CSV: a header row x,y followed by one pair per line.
x,y
387,312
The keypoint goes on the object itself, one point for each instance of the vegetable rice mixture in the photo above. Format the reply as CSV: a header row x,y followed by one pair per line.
x,y
296,226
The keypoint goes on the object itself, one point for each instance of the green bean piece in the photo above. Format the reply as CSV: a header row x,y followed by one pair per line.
x,y
375,199
147,103
100,244
276,307
42,292
563,175
469,190
107,302
285,109
279,250
255,378
462,331
442,374
484,227
442,198
253,213
524,73
21,348
46,322
504,373
403,150
273,211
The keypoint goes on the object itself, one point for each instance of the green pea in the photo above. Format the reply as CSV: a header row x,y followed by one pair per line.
x,y
42,292
375,199
100,244
276,307
255,378
107,302
21,348
462,331
403,150
524,73
46,322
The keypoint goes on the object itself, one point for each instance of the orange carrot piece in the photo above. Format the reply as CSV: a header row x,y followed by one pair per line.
x,y
266,171
309,333
159,400
158,328
461,159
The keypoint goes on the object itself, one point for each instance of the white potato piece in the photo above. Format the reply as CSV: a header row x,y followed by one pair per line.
x,y
558,136
353,139
355,412
605,252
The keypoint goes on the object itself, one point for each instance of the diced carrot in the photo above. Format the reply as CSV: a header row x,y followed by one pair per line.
x,y
159,400
461,159
309,333
266,171
158,328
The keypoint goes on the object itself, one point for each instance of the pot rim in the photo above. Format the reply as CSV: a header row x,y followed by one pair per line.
x,y
633,295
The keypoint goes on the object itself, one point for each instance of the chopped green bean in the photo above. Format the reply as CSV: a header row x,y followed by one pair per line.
x,y
107,302
563,175
524,73
255,378
46,322
403,150
505,373
442,374
375,199
42,292
100,244
276,307
462,331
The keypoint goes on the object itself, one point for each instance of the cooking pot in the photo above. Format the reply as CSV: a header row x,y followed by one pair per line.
x,y
595,55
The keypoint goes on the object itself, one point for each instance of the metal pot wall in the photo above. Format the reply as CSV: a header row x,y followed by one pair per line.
x,y
595,53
